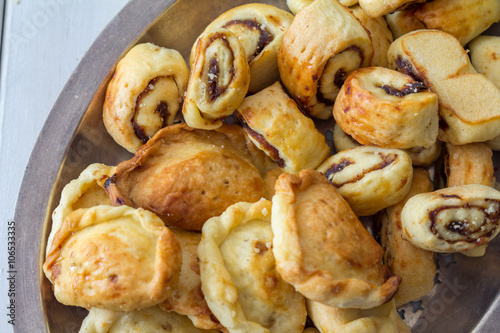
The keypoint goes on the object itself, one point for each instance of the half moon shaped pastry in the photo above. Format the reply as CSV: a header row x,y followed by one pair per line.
x,y
469,164
454,219
485,57
187,298
260,29
238,273
151,319
369,178
296,5
324,43
376,8
84,192
414,265
316,245
438,59
144,94
218,81
381,107
275,124
116,258
380,319
187,175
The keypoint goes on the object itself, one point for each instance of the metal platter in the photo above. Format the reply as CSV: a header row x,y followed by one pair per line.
x,y
465,298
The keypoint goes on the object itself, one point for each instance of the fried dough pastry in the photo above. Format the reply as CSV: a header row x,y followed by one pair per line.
x,y
469,164
187,298
453,219
187,175
238,273
218,81
84,192
485,57
377,8
144,94
380,35
116,258
381,107
151,319
296,5
438,59
324,43
369,178
414,265
316,245
260,29
275,124
381,319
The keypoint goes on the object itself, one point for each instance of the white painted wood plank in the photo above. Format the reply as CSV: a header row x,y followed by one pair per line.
x,y
42,44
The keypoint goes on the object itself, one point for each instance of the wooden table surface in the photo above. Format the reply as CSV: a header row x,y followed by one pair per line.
x,y
42,42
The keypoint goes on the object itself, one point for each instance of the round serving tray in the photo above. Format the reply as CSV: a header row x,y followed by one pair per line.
x,y
466,294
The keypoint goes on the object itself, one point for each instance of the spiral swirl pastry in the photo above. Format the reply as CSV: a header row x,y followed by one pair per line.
x,y
324,43
219,80
260,29
381,107
275,124
446,70
420,156
144,94
369,178
454,219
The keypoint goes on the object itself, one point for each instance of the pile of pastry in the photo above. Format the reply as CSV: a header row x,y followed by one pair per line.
x,y
233,215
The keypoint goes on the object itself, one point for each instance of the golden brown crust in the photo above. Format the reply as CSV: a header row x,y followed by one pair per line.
x,y
316,245
377,8
84,192
239,278
151,319
187,298
369,178
188,175
276,125
437,59
381,107
453,219
469,164
324,43
116,258
380,319
260,29
218,81
415,266
464,19
144,94
380,35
